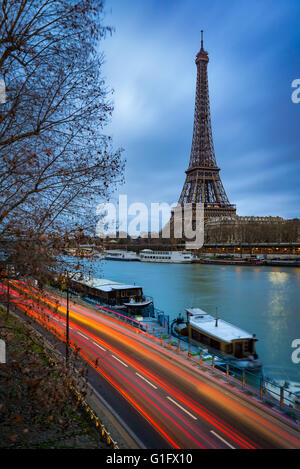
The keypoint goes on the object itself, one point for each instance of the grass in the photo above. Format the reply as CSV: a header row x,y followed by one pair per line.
x,y
291,414
270,403
37,409
233,384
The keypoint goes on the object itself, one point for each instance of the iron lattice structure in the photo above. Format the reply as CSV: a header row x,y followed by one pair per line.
x,y
203,182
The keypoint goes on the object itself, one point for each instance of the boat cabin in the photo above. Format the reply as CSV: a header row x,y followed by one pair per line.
x,y
218,334
107,292
103,289
172,257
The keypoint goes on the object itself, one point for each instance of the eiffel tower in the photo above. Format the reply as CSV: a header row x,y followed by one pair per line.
x,y
203,182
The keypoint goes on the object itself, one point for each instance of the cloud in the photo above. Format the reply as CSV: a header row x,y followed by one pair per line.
x,y
150,63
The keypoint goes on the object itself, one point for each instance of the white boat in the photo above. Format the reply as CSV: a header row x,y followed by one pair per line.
x,y
137,304
120,255
171,257
229,341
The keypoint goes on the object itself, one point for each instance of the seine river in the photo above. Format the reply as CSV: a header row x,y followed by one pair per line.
x,y
261,300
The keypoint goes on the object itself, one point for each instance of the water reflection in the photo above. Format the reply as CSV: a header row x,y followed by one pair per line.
x,y
278,277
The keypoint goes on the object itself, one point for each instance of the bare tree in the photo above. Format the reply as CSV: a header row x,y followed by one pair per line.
x,y
56,162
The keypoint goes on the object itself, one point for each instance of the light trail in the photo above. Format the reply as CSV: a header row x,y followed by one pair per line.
x,y
145,379
182,408
87,318
222,439
113,382
171,390
120,361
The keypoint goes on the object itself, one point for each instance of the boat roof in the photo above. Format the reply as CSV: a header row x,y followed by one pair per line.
x,y
119,251
104,285
165,252
224,331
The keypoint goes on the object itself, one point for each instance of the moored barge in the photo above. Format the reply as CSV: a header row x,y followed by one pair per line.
x,y
233,344
129,298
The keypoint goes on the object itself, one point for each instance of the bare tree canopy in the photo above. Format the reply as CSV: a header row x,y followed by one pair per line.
x,y
56,161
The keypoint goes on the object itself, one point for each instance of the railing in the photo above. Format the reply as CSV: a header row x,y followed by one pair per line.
x,y
163,319
114,301
254,384
121,317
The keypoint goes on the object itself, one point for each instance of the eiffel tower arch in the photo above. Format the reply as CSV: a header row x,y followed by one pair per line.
x,y
203,183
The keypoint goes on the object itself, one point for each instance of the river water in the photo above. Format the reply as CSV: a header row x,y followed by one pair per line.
x,y
261,300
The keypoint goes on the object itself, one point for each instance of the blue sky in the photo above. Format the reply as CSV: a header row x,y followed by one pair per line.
x,y
254,50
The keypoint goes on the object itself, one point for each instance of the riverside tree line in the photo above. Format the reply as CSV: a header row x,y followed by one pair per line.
x,y
57,163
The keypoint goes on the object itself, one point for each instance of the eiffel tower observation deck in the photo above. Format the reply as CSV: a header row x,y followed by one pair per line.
x,y
203,182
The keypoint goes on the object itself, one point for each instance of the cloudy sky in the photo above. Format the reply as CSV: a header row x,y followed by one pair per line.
x,y
254,50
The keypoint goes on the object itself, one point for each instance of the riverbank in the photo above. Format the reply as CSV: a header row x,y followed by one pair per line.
x,y
260,299
231,261
37,409
247,262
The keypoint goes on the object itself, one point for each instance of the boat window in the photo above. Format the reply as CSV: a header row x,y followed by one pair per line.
x,y
247,346
215,344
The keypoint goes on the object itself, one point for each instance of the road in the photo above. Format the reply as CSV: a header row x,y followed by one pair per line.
x,y
164,400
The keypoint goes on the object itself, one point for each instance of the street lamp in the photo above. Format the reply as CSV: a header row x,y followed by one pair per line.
x,y
67,321
8,293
